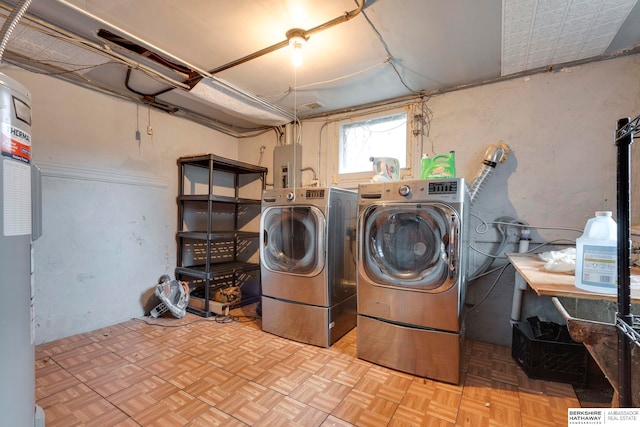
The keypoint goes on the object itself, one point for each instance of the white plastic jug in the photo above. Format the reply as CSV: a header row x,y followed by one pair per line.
x,y
386,169
597,255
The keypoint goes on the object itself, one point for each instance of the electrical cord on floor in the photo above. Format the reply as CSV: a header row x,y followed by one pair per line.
x,y
171,321
219,318
158,321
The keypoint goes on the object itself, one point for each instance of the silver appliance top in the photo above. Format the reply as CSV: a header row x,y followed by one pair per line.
x,y
444,190
316,196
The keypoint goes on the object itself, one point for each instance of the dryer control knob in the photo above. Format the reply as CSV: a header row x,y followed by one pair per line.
x,y
291,195
404,190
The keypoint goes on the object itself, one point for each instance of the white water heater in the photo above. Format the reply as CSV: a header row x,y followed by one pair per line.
x,y
17,351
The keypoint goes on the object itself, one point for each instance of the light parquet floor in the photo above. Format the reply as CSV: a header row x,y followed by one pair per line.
x,y
203,372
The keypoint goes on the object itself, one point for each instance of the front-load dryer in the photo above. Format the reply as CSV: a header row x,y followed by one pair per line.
x,y
308,267
411,275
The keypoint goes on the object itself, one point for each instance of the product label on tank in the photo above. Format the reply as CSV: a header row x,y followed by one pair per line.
x,y
599,266
16,198
16,143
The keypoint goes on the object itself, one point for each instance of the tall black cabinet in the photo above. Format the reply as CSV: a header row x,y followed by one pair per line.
x,y
218,231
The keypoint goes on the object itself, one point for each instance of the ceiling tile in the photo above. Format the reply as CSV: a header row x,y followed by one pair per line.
x,y
558,31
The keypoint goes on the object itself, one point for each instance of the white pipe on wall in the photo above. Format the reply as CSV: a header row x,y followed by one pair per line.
x,y
520,284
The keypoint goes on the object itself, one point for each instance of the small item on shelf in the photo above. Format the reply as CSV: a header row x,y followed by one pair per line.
x,y
563,261
597,255
231,295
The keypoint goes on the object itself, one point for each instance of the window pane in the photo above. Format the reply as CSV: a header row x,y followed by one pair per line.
x,y
377,137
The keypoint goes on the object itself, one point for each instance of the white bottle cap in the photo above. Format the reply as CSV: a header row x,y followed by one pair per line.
x,y
603,213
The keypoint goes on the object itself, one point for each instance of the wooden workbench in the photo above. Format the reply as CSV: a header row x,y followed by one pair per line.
x,y
543,282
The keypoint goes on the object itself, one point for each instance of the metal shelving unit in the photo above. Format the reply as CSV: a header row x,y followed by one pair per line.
x,y
218,229
625,321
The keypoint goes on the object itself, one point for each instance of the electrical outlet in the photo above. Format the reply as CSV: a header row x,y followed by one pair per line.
x,y
149,130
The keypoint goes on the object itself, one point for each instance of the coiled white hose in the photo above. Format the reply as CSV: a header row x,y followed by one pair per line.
x,y
11,23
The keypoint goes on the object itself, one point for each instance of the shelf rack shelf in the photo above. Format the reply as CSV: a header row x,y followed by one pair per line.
x,y
218,231
626,322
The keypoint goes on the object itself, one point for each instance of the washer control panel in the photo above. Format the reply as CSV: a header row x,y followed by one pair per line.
x,y
445,190
285,196
443,187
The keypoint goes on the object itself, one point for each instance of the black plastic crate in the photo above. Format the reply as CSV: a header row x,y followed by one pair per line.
x,y
548,360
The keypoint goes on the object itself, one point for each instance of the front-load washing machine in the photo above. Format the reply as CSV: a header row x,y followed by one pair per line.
x,y
411,275
308,263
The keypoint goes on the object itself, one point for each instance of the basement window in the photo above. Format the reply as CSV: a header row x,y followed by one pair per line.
x,y
373,136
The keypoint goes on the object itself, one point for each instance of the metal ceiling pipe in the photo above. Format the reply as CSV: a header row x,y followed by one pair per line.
x,y
227,129
189,83
132,37
98,49
343,18
211,73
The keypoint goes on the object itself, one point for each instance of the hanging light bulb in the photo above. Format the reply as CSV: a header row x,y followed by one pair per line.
x,y
297,41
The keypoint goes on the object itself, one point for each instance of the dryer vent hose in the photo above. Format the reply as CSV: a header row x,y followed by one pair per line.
x,y
496,153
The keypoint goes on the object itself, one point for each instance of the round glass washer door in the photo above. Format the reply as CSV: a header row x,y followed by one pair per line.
x,y
292,240
413,246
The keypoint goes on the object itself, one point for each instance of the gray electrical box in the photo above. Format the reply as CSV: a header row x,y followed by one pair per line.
x,y
287,165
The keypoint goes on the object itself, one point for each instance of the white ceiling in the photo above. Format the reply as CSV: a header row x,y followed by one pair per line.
x,y
390,50
541,33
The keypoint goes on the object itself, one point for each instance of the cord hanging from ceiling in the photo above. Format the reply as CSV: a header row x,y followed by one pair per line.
x,y
389,55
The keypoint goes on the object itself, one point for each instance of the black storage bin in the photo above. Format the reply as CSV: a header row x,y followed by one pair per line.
x,y
549,359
